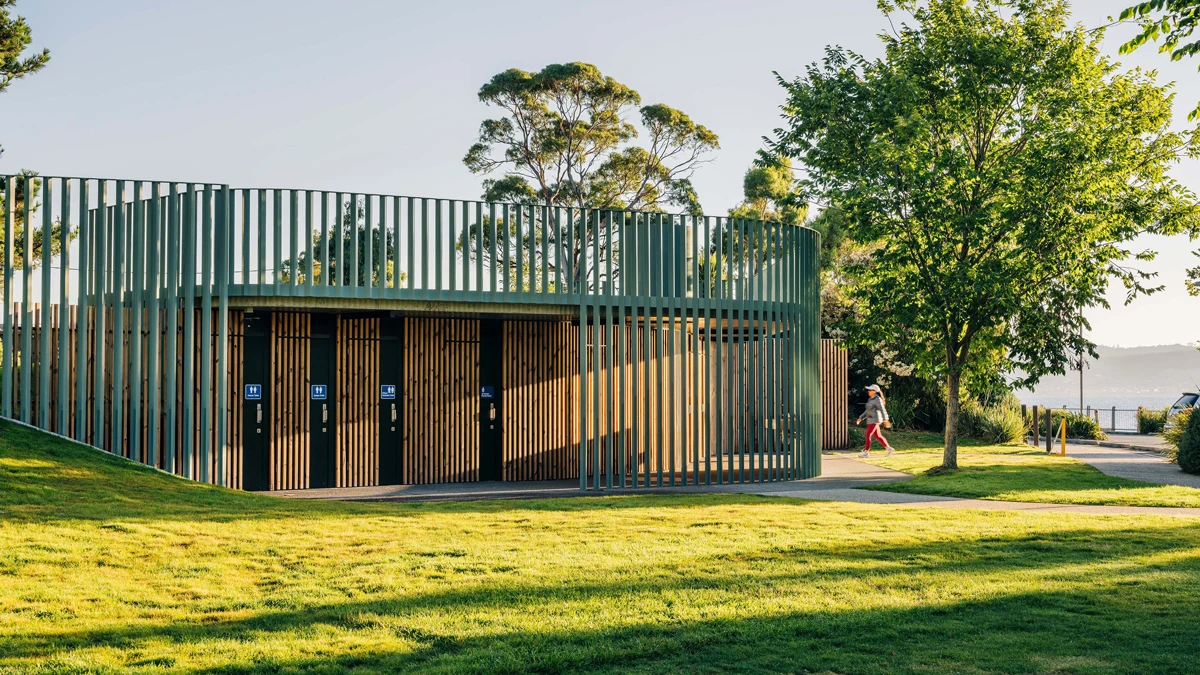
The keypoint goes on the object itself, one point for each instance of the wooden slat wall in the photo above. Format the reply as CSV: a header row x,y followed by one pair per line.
x,y
541,389
835,432
130,426
540,408
357,439
290,350
441,400
641,455
756,362
234,421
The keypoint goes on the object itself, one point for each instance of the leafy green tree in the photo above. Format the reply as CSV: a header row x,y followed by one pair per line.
x,y
15,36
769,193
1173,21
382,244
996,167
20,186
564,139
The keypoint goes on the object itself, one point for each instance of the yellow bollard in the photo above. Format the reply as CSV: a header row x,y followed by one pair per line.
x,y
1063,442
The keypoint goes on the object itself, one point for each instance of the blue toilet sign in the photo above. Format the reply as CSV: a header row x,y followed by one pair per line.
x,y
387,392
487,393
318,392
254,392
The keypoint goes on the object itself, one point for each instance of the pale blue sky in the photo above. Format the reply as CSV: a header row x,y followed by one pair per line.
x,y
380,95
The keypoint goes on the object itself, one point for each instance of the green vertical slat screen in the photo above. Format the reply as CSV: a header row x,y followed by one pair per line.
x,y
698,336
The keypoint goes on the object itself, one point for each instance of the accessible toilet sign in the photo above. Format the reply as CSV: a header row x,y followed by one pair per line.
x,y
318,392
387,392
254,392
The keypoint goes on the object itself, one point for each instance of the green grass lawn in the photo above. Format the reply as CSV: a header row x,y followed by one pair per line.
x,y
1018,473
111,568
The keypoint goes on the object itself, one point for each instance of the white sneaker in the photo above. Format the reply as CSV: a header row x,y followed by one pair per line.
x,y
865,454
889,452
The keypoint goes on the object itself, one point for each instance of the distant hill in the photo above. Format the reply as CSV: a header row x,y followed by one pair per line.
x,y
1124,371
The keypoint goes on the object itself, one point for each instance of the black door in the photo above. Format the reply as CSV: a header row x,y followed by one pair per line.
x,y
256,402
491,399
322,395
390,415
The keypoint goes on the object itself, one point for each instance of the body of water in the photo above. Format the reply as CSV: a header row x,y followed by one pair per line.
x,y
1101,401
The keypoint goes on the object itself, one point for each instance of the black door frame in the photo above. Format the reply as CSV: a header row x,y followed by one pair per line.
x,y
256,414
491,374
322,414
391,412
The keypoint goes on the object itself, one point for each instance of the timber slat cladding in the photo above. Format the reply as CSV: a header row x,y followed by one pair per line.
x,y
234,409
643,440
357,439
649,392
441,400
290,349
539,380
835,413
131,426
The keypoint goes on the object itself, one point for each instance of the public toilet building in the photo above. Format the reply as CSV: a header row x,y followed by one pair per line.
x,y
271,339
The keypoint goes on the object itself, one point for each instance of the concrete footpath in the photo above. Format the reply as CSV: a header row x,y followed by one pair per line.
x,y
846,465
1127,441
840,482
1146,466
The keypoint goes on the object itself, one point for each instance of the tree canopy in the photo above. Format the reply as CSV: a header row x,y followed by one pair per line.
x,y
15,36
769,193
996,167
564,139
1173,21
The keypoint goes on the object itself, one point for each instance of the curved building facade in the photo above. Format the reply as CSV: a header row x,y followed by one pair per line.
x,y
265,338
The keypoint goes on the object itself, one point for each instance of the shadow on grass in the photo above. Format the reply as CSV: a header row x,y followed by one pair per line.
x,y
1125,598
45,479
1052,632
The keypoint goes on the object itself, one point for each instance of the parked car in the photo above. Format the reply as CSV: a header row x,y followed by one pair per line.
x,y
1188,400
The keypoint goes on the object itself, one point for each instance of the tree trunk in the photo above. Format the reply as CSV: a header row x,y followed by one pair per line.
x,y
950,447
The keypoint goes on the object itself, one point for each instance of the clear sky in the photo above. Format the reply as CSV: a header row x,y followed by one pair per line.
x,y
379,95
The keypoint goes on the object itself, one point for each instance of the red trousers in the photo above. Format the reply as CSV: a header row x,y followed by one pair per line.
x,y
873,431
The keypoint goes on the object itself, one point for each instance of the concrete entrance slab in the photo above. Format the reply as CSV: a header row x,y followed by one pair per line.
x,y
839,473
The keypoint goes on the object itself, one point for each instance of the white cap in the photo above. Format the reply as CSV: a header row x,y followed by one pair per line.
x,y
875,388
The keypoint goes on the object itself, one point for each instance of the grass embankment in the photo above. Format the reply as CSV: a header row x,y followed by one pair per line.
x,y
106,567
1018,473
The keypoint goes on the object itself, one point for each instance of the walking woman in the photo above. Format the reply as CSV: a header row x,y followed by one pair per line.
x,y
876,416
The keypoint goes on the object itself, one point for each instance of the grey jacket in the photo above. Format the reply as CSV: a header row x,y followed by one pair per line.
x,y
875,412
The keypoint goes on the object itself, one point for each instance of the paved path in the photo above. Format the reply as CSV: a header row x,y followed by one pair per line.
x,y
849,468
841,477
839,473
1127,441
1148,467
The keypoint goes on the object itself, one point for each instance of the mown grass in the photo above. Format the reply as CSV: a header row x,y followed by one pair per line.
x,y
1018,473
107,567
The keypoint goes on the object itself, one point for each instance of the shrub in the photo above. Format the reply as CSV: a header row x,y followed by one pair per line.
x,y
858,436
1151,421
1189,446
970,419
995,424
924,398
1078,426
902,412
1003,424
1172,433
